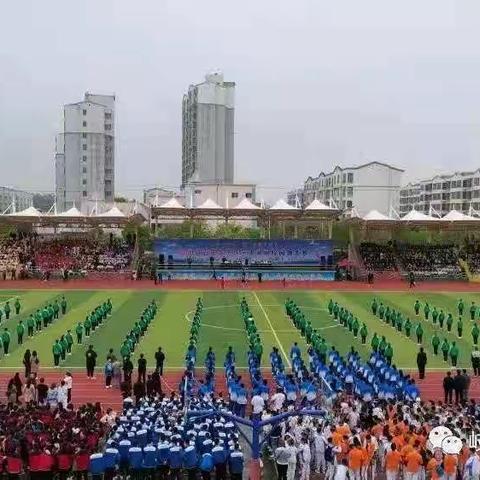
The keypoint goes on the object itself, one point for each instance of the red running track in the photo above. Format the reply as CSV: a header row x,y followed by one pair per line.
x,y
114,284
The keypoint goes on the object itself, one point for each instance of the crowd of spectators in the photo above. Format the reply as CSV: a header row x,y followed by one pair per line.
x,y
470,252
32,255
378,257
422,260
42,439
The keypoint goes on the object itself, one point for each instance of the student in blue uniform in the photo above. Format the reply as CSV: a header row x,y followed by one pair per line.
x,y
220,457
97,466
236,463
175,461
190,461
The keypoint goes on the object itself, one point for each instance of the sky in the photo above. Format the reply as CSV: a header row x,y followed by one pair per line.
x,y
319,83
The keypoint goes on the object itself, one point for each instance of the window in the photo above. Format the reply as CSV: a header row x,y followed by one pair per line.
x,y
476,181
84,123
248,195
350,178
234,194
349,204
84,146
108,183
84,181
84,112
84,135
349,191
198,192
84,158
108,193
108,116
84,193
108,126
84,170
344,179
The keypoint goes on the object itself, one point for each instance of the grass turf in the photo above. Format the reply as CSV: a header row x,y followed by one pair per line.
x,y
222,324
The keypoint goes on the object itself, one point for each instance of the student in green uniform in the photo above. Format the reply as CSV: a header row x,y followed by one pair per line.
x,y
330,308
381,311
17,306
449,322
374,342
399,324
56,309
69,340
426,310
441,318
387,315
1,315
389,353
87,325
20,332
461,307
419,333
473,311
63,345
454,351
416,307
460,328
475,333
7,310
382,345
79,332
374,307
336,309
63,305
408,327
57,352
355,327
45,316
363,334
6,341
434,315
435,343
445,349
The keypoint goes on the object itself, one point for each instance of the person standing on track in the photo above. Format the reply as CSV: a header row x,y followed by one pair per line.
x,y
7,310
20,332
91,361
142,369
160,360
57,352
421,363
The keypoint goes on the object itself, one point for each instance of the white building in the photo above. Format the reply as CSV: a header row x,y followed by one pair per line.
x,y
374,185
208,111
85,152
12,200
157,196
224,195
456,191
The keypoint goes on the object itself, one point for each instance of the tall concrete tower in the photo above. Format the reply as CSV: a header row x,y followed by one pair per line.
x,y
208,111
85,152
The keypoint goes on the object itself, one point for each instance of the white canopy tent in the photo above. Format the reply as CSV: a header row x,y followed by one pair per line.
x,y
172,203
114,212
246,204
456,216
282,205
28,212
376,216
72,213
414,216
209,204
317,205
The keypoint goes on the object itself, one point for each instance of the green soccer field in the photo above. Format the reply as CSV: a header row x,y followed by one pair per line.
x,y
222,324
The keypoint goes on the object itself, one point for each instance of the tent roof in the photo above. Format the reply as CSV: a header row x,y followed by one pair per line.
x,y
414,216
172,203
375,215
456,216
73,212
282,205
246,204
209,204
318,205
113,212
28,212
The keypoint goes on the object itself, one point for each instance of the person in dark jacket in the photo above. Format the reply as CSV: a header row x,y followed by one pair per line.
x,y
459,386
421,363
448,387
